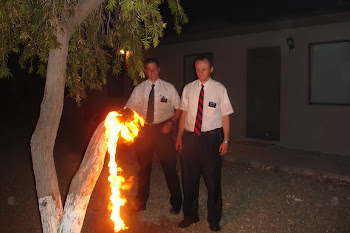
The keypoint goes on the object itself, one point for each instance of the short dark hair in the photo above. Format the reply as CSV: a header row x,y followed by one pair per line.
x,y
151,60
203,58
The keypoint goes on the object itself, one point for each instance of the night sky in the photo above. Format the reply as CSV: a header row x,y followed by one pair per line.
x,y
209,14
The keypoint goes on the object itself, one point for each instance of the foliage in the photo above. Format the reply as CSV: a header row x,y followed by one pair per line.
x,y
25,26
29,26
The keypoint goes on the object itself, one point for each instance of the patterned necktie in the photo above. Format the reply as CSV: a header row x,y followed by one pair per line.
x,y
150,108
198,125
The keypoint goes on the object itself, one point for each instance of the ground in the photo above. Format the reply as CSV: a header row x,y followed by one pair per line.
x,y
253,200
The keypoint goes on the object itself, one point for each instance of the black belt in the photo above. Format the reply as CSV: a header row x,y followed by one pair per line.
x,y
210,132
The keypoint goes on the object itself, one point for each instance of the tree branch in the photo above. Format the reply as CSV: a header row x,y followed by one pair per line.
x,y
84,8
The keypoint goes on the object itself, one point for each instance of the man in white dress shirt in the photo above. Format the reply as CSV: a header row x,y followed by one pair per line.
x,y
203,136
159,109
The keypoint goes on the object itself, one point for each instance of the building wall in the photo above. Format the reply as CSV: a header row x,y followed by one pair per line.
x,y
322,128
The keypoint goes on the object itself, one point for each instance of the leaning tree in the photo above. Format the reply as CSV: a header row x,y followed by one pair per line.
x,y
70,43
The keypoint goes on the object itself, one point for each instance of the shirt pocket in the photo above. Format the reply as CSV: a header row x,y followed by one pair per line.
x,y
211,107
163,99
163,102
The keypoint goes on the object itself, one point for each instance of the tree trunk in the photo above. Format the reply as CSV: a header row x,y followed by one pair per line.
x,y
44,137
84,182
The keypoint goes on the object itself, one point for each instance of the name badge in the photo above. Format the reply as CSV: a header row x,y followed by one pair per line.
x,y
212,104
163,99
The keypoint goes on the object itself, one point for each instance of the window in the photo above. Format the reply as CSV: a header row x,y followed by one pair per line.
x,y
329,73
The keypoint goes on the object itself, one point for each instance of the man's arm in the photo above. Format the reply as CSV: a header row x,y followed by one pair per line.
x,y
178,145
134,102
175,100
170,124
224,147
176,115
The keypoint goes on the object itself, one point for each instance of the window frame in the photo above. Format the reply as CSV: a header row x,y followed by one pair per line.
x,y
311,100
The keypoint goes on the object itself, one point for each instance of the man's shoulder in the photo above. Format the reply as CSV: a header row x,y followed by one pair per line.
x,y
188,85
217,84
141,84
166,83
144,82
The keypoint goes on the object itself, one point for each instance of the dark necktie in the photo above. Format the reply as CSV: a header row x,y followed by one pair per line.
x,y
150,108
198,125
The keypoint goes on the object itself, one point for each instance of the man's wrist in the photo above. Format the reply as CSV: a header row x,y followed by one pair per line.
x,y
226,141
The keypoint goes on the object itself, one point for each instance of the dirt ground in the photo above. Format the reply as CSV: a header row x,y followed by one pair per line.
x,y
253,200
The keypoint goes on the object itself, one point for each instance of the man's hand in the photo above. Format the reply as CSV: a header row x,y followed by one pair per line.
x,y
223,148
178,145
167,127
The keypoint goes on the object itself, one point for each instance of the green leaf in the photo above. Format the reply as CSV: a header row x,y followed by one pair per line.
x,y
29,27
24,36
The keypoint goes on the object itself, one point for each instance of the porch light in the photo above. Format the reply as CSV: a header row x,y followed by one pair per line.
x,y
290,43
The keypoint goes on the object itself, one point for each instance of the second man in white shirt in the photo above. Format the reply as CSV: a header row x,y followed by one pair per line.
x,y
157,136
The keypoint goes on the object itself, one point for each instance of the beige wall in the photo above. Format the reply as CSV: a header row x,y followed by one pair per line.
x,y
322,128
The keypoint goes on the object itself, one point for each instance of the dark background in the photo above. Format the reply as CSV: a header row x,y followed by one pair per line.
x,y
209,14
23,92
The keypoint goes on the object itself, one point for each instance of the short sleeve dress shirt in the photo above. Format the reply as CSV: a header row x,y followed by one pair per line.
x,y
215,104
166,100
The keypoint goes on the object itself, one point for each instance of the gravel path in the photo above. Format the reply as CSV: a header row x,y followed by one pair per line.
x,y
253,200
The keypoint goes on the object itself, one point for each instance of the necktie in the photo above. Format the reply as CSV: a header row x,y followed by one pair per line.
x,y
198,125
150,108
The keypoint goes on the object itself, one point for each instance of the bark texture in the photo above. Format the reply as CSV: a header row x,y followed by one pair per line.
x,y
84,182
44,137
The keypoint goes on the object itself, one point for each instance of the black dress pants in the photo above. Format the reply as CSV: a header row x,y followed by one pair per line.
x,y
200,156
153,141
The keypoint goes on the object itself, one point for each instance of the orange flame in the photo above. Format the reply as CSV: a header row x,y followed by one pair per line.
x,y
114,129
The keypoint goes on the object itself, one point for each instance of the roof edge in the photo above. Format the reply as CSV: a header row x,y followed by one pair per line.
x,y
248,28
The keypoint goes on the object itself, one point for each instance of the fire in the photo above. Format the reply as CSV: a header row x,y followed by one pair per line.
x,y
116,127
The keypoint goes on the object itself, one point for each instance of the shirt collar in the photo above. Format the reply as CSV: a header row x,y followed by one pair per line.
x,y
199,84
155,84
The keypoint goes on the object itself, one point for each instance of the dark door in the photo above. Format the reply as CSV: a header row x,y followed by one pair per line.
x,y
263,93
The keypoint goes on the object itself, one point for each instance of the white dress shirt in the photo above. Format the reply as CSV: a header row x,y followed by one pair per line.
x,y
215,104
166,100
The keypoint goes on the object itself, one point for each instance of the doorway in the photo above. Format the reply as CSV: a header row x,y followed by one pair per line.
x,y
263,93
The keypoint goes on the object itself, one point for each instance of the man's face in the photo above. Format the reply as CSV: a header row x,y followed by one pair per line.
x,y
152,71
203,70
